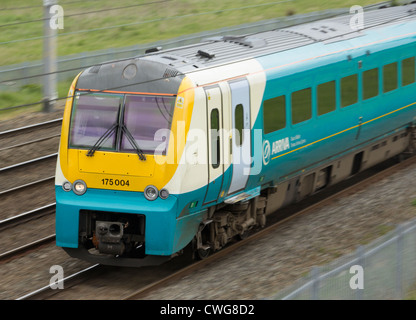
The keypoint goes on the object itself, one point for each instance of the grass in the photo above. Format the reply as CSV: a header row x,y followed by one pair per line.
x,y
28,94
412,294
141,24
183,17
376,232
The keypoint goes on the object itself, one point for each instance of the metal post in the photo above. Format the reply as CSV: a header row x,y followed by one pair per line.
x,y
399,262
49,58
315,273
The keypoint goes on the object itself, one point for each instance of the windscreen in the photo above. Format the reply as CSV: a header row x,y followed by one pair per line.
x,y
148,119
92,116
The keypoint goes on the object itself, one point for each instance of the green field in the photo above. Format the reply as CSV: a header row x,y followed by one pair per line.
x,y
148,22
141,22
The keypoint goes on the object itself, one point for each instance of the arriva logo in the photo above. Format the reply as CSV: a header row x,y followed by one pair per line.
x,y
280,145
266,152
277,147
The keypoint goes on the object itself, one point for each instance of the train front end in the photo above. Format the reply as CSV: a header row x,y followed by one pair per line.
x,y
118,151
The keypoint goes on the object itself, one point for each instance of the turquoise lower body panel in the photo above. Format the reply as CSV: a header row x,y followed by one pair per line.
x,y
160,216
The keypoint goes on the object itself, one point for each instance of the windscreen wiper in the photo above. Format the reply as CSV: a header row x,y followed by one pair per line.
x,y
102,139
133,142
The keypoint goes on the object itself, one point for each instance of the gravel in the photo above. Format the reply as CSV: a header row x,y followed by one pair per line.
x,y
30,198
28,152
30,118
27,174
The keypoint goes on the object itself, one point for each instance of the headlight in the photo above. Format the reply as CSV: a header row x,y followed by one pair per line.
x,y
79,187
164,193
151,193
67,186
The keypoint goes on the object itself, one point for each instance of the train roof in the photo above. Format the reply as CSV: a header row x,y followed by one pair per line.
x,y
225,49
162,72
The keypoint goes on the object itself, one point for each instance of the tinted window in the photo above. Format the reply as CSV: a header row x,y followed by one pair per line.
x,y
215,139
370,83
92,116
408,71
239,123
274,114
349,90
390,77
326,97
301,105
144,116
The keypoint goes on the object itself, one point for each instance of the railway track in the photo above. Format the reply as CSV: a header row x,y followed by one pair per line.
x,y
6,225
182,269
27,185
22,165
23,136
27,154
26,188
27,216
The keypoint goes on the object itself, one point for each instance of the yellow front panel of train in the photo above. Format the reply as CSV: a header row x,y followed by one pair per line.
x,y
115,163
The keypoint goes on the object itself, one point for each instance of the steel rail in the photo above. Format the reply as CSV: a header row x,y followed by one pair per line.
x,y
28,162
48,287
31,126
28,215
27,247
23,217
30,142
27,185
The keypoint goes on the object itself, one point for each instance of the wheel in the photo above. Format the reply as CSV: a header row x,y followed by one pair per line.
x,y
202,254
243,235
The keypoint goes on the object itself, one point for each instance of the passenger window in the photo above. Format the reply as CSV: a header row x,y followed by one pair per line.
x,y
215,139
239,124
390,77
370,83
326,97
349,90
408,71
274,114
301,105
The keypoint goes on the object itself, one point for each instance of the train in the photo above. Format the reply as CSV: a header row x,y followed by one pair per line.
x,y
194,147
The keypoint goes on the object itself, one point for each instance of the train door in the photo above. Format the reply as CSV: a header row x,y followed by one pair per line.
x,y
241,142
215,141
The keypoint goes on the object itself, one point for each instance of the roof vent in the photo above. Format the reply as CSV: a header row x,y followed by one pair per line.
x,y
331,31
170,73
205,54
324,29
247,41
151,50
